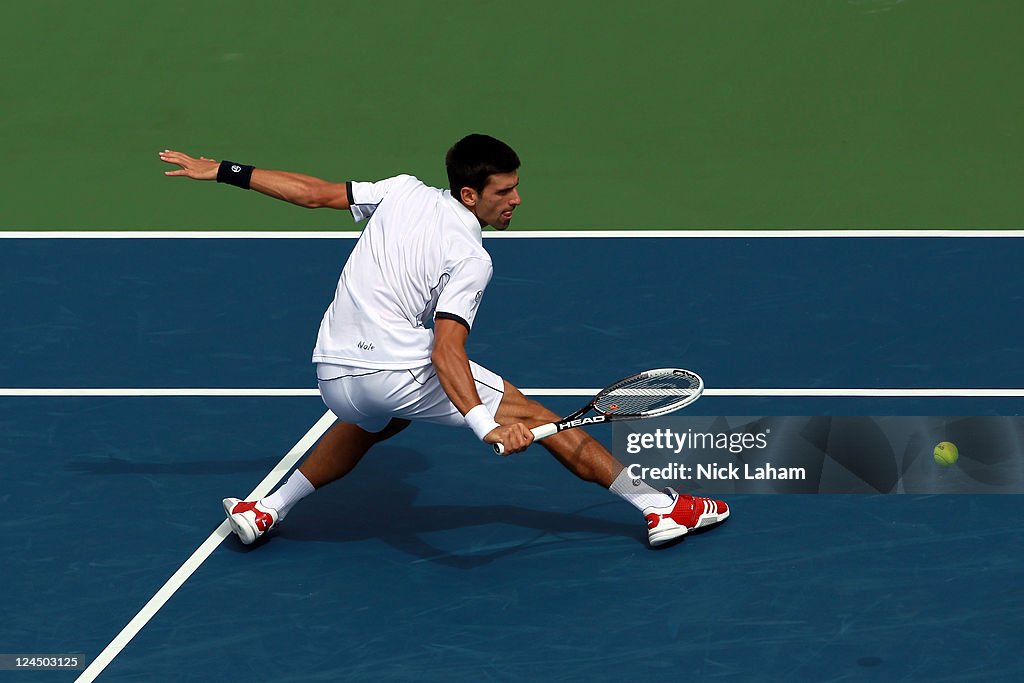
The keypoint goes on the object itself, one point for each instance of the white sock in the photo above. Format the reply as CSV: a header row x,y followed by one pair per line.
x,y
637,493
291,492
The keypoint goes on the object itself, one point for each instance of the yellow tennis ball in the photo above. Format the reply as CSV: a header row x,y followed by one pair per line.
x,y
946,453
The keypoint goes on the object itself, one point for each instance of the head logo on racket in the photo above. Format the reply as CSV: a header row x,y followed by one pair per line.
x,y
646,394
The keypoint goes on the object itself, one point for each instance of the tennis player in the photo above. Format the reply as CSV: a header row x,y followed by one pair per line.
x,y
391,346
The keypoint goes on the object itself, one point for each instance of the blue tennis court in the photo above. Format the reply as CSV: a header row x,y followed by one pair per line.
x,y
437,561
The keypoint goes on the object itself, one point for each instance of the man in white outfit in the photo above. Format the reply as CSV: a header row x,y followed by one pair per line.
x,y
391,347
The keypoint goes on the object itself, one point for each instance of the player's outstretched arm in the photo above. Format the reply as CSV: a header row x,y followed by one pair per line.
x,y
452,365
296,188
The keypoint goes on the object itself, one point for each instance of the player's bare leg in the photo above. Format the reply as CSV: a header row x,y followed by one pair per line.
x,y
335,455
669,515
581,453
341,449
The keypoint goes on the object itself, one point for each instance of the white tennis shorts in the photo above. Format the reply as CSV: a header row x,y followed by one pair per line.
x,y
371,398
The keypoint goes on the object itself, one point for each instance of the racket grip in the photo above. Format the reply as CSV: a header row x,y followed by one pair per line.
x,y
541,432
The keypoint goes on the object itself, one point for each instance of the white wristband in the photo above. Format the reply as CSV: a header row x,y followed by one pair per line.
x,y
481,421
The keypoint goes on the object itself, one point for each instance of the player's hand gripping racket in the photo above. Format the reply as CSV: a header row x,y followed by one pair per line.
x,y
647,394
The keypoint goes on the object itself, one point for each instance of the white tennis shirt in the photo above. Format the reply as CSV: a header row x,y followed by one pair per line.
x,y
420,256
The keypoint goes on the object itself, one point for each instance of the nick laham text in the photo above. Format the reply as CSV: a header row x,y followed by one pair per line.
x,y
714,471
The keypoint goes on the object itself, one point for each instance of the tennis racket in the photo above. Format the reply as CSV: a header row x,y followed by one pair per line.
x,y
647,394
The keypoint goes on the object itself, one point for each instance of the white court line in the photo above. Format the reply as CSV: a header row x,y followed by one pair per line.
x,y
820,393
283,393
291,458
201,554
512,234
875,393
178,579
97,393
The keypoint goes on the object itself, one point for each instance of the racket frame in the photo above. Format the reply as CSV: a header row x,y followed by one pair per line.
x,y
576,419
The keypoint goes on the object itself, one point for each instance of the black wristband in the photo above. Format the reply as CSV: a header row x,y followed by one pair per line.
x,y
235,174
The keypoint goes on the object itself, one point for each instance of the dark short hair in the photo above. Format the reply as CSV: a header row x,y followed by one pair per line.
x,y
476,157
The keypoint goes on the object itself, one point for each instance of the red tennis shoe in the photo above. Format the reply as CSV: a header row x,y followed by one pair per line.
x,y
685,514
249,520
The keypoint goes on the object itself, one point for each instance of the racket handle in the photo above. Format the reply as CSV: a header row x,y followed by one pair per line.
x,y
541,432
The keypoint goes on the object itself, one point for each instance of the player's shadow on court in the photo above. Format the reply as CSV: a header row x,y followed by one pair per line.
x,y
115,465
375,502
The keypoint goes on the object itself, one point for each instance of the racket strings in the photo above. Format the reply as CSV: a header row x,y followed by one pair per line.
x,y
650,394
